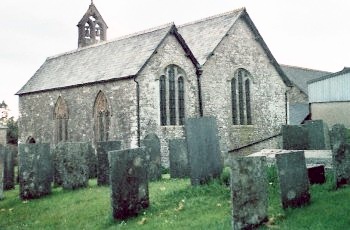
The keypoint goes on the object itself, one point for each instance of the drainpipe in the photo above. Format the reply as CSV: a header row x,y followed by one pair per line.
x,y
287,103
199,73
138,112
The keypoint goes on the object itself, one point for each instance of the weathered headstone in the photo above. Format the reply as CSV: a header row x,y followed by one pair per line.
x,y
340,154
102,160
293,178
128,182
316,174
72,164
295,137
249,188
152,147
179,167
1,172
204,155
91,159
35,170
9,169
318,135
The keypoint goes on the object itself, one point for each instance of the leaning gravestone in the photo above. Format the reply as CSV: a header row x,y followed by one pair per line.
x,y
293,178
318,135
179,167
9,169
203,149
295,137
152,147
128,181
35,170
340,154
72,164
1,172
249,192
102,160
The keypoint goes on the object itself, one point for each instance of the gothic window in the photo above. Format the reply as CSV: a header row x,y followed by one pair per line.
x,y
172,90
61,120
101,118
162,87
181,96
241,98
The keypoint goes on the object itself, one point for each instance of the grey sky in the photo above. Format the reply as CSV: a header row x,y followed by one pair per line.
x,y
307,33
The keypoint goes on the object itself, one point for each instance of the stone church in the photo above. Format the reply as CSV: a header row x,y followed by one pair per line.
x,y
151,81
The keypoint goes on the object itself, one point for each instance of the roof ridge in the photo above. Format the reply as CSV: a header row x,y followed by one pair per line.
x,y
152,29
304,68
345,70
212,17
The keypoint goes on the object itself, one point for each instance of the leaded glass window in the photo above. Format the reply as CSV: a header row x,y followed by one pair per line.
x,y
181,95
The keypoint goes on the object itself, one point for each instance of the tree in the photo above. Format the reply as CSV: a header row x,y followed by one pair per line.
x,y
12,131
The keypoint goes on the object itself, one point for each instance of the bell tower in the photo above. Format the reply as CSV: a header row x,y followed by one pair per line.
x,y
92,28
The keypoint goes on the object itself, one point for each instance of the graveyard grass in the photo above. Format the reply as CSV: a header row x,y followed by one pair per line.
x,y
174,205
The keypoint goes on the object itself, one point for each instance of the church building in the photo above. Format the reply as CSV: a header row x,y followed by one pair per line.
x,y
151,81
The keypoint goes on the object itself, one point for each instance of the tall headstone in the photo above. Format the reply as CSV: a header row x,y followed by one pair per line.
x,y
318,135
295,137
340,154
91,159
203,149
179,167
9,168
35,170
293,178
102,160
1,172
72,164
152,147
249,189
128,182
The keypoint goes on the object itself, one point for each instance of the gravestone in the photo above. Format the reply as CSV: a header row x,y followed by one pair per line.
x,y
318,135
316,174
204,155
340,154
295,137
102,160
2,150
72,167
91,159
179,167
152,148
249,192
128,182
35,170
293,178
9,168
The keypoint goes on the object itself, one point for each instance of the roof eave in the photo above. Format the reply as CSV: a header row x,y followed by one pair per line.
x,y
343,71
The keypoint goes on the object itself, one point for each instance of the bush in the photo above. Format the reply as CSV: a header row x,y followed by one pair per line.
x,y
225,176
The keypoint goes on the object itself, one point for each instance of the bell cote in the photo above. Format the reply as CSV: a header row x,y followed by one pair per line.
x,y
92,28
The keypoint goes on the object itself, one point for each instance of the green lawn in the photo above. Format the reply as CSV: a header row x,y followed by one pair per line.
x,y
174,205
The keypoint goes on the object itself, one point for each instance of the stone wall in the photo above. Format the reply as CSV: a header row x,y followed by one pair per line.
x,y
37,111
332,113
295,96
170,52
240,49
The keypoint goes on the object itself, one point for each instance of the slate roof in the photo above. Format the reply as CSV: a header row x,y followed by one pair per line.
x,y
300,76
297,113
120,58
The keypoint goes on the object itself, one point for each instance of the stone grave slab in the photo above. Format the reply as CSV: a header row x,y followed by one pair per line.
x,y
72,166
316,174
203,149
295,137
178,158
340,154
293,178
128,182
35,170
318,135
249,191
151,143
9,168
102,160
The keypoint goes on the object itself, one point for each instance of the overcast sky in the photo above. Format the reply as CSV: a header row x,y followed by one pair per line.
x,y
306,33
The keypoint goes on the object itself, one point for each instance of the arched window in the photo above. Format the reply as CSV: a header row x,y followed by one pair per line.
x,y
61,120
173,112
240,98
101,117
